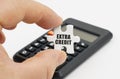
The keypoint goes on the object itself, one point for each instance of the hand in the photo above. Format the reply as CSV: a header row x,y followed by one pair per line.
x,y
42,65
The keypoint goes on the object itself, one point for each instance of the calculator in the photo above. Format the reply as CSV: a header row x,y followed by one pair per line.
x,y
92,39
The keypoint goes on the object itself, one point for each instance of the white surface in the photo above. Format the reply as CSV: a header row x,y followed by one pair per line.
x,y
105,64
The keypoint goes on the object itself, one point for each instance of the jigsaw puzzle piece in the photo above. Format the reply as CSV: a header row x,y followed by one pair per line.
x,y
64,39
69,29
57,30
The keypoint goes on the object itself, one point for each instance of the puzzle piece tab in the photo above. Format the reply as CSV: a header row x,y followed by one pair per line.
x,y
64,39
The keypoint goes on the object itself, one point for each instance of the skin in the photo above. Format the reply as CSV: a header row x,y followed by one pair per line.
x,y
42,65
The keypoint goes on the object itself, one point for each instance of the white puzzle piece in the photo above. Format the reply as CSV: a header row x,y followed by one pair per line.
x,y
64,39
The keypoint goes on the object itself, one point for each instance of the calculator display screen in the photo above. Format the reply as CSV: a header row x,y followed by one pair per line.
x,y
83,34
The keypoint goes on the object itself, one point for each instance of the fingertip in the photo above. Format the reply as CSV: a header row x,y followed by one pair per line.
x,y
62,57
56,57
52,22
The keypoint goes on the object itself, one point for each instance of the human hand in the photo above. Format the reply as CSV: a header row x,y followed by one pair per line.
x,y
42,65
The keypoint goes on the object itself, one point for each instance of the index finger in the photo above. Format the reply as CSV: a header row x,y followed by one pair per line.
x,y
28,11
42,15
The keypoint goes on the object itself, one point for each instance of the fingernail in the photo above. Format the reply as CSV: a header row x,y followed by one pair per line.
x,y
60,20
57,21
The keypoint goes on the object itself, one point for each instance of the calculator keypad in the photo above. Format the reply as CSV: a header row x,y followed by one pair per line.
x,y
43,44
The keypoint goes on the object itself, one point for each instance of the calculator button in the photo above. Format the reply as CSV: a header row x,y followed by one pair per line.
x,y
83,44
42,40
78,48
31,48
51,44
45,36
24,53
45,48
36,44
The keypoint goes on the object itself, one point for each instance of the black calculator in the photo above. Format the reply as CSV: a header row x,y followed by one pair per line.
x,y
92,39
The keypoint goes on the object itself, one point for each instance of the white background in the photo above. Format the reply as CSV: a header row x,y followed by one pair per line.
x,y
105,64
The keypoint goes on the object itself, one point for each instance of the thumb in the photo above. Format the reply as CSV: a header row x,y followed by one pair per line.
x,y
47,60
